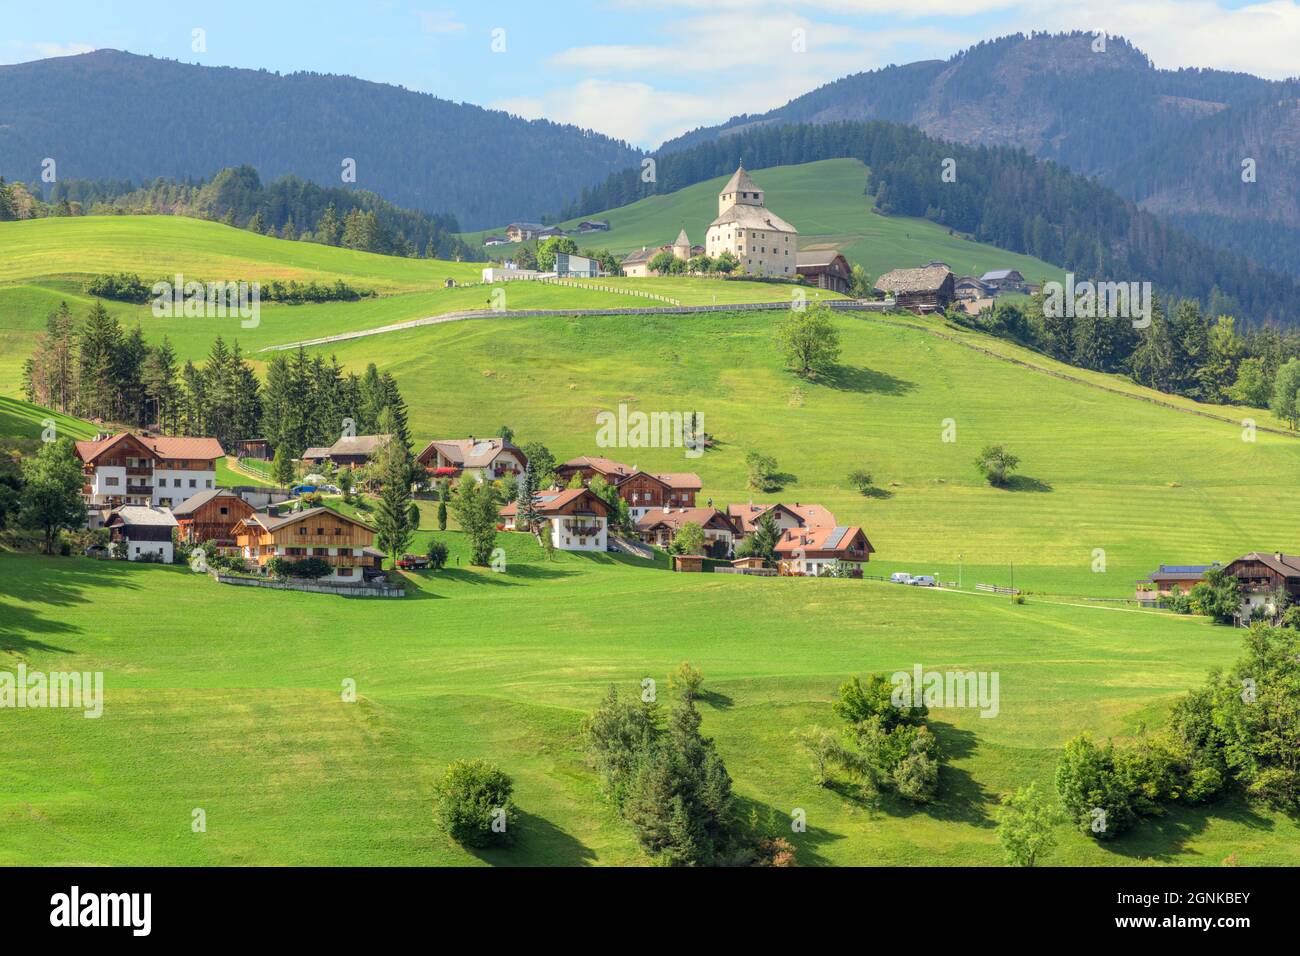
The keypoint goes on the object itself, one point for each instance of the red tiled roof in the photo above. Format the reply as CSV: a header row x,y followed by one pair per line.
x,y
164,446
819,539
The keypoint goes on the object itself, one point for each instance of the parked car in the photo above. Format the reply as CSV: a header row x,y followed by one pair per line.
x,y
411,562
302,489
900,577
923,581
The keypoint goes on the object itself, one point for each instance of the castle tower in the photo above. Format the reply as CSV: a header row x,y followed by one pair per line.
x,y
682,247
739,189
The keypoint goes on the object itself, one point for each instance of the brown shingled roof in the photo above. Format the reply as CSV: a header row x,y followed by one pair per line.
x,y
928,279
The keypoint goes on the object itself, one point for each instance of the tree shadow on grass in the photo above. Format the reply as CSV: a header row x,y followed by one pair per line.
x,y
1025,483
714,699
776,823
880,494
19,625
867,381
538,842
1164,839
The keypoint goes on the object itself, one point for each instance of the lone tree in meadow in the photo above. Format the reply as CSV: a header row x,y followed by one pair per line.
x,y
51,496
1026,819
809,340
996,464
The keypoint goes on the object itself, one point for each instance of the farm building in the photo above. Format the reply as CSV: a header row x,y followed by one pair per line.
x,y
483,458
826,269
211,516
342,542
928,289
969,288
660,526
348,450
523,231
1262,576
1004,280
747,516
147,532
1170,579
130,469
642,490
816,551
575,519
593,225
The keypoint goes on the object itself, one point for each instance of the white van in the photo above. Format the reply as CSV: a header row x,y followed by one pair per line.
x,y
900,577
923,581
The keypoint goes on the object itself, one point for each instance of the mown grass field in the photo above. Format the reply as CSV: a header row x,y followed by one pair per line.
x,y
229,700
824,201
1144,483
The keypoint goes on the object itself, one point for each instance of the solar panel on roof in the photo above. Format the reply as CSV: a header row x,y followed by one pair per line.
x,y
835,536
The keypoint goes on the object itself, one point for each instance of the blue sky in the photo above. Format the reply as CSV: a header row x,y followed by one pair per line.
x,y
641,70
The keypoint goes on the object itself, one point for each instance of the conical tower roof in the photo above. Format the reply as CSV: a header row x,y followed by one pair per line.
x,y
740,182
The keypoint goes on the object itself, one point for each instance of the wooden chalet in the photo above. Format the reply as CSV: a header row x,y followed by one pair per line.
x,y
643,491
575,519
660,526
929,289
344,543
1171,579
211,516
1261,575
818,551
146,532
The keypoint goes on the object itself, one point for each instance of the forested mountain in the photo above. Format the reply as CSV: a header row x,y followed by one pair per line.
x,y
1000,195
114,115
288,208
1171,140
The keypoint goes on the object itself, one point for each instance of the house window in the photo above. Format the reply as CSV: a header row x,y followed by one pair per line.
x,y
192,483
344,572
225,511
320,532
338,532
110,481
302,529
209,482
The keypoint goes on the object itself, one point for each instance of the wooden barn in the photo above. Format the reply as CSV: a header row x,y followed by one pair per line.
x,y
211,515
930,289
826,269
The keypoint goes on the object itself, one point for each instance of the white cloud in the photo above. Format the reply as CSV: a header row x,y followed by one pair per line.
x,y
439,21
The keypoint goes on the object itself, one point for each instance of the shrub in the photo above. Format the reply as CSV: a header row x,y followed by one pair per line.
x,y
474,803
995,463
437,555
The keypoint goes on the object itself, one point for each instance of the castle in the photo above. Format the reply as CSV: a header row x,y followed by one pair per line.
x,y
763,242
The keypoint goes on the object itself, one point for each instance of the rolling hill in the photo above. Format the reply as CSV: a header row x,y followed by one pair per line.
x,y
826,202
1185,132
202,709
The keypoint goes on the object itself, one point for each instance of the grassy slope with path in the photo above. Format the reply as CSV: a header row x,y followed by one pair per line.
x,y
824,201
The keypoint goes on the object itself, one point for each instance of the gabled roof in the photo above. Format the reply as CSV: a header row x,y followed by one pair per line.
x,y
606,466
162,446
197,501
834,538
999,274
644,255
141,515
359,445
679,480
316,452
674,518
928,279
1287,565
275,522
554,502
472,452
818,257
747,516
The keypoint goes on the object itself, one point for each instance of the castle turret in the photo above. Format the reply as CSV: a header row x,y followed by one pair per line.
x,y
682,247
739,189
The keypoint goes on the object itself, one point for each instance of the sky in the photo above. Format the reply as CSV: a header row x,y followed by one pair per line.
x,y
639,70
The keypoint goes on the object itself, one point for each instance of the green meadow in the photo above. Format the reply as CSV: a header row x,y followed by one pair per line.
x,y
228,700
825,201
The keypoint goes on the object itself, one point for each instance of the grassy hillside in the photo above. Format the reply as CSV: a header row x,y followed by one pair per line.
x,y
48,260
1145,483
825,202
204,710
